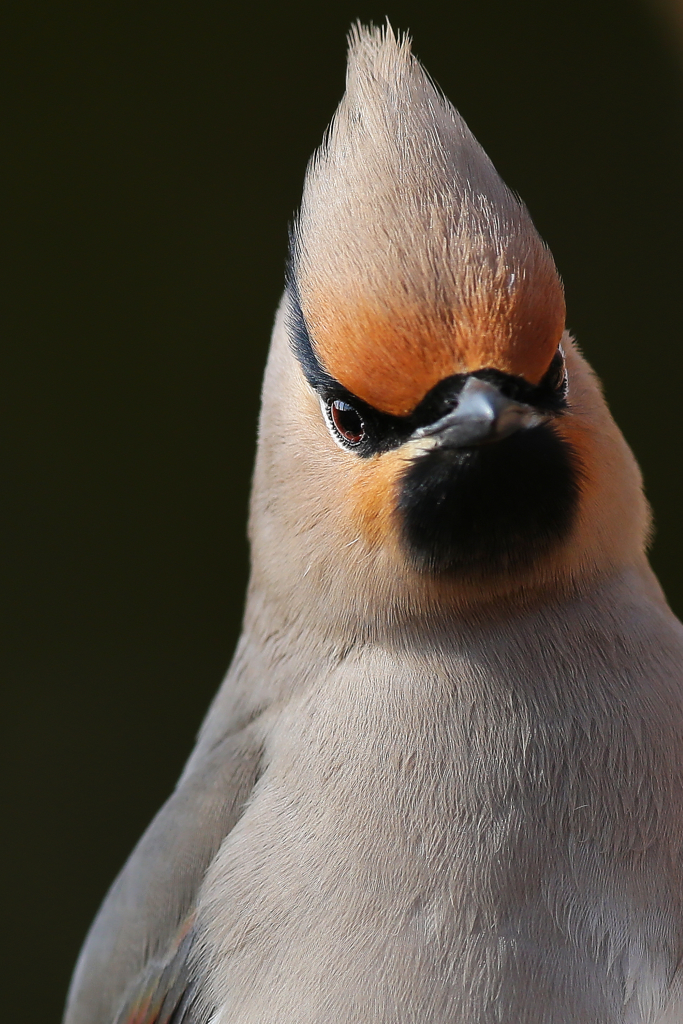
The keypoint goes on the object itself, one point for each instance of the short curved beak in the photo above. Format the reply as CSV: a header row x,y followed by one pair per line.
x,y
483,415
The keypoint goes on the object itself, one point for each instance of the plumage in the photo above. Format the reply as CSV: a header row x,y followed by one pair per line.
x,y
443,779
411,252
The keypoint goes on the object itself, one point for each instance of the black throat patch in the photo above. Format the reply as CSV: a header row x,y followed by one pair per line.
x,y
493,508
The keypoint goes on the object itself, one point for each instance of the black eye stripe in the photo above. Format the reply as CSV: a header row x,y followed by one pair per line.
x,y
382,431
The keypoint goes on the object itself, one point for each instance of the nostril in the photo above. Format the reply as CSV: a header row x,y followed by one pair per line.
x,y
483,414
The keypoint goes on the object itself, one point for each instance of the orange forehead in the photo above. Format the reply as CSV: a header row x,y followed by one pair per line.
x,y
391,357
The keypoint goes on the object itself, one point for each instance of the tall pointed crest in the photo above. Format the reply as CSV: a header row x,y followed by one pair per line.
x,y
413,260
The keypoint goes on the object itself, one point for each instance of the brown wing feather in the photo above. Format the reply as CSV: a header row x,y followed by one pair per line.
x,y
166,992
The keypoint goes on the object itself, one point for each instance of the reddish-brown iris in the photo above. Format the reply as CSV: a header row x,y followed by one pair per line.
x,y
347,421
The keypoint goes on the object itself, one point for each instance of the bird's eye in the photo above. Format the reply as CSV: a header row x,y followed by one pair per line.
x,y
347,422
556,377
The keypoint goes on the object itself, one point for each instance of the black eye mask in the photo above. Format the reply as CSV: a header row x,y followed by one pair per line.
x,y
380,430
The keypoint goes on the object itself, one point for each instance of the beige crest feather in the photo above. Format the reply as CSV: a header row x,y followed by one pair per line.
x,y
413,259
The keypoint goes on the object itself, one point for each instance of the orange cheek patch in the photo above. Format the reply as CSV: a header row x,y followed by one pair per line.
x,y
373,493
392,354
578,436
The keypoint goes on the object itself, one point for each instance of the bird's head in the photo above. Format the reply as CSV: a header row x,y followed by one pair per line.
x,y
429,429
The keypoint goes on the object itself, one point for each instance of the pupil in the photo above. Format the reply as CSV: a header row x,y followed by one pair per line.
x,y
556,371
347,421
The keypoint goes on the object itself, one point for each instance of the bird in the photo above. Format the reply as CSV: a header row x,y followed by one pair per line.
x,y
442,780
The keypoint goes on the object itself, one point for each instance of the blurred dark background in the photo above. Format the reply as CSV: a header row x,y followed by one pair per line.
x,y
154,158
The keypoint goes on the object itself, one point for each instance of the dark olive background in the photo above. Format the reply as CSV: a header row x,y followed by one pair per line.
x,y
155,156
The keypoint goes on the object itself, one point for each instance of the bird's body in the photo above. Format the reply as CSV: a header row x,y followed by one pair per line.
x,y
443,779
